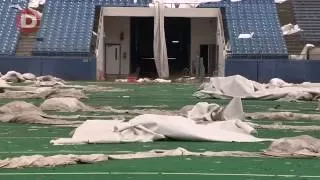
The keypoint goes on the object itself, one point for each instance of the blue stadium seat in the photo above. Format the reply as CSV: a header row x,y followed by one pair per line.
x,y
258,16
9,32
66,25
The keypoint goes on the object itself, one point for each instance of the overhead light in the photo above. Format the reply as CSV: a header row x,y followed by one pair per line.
x,y
175,42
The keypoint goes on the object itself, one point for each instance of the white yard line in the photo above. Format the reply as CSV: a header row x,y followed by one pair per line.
x,y
27,137
55,152
160,173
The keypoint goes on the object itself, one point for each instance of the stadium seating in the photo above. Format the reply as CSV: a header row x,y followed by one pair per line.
x,y
259,17
66,28
307,13
123,3
9,32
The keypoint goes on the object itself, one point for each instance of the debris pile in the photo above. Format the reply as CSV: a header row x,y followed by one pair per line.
x,y
300,146
27,113
145,80
72,159
238,86
64,104
204,122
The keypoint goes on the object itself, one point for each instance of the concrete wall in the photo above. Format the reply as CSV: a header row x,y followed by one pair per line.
x,y
77,68
264,70
203,31
203,26
113,27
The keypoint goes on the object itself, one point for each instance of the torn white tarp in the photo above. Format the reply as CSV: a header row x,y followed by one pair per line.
x,y
51,161
36,3
29,76
72,159
4,83
150,127
300,146
304,53
238,86
65,104
246,36
13,76
280,1
26,113
145,80
159,42
289,29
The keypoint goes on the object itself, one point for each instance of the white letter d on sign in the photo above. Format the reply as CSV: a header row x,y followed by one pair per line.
x,y
24,18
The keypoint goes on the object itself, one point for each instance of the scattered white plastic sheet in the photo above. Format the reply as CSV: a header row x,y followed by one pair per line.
x,y
36,3
13,76
145,80
72,159
304,53
246,36
300,146
151,127
65,104
280,1
238,86
289,29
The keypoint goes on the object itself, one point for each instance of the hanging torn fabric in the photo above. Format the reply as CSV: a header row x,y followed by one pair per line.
x,y
159,42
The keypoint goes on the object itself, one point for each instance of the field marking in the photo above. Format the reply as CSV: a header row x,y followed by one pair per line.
x,y
28,137
160,173
54,152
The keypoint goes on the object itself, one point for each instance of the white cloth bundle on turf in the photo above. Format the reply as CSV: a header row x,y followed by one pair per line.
x,y
150,127
238,86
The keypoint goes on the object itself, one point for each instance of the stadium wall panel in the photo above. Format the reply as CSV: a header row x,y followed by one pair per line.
x,y
290,71
246,68
82,68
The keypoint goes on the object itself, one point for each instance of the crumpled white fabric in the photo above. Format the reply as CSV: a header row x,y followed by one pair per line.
x,y
65,104
151,127
238,86
13,76
50,161
72,159
29,76
145,80
300,146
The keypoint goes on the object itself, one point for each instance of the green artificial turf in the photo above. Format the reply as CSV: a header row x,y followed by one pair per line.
x,y
17,139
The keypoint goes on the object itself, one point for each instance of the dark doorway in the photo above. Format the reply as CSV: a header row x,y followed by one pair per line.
x,y
210,60
178,45
204,53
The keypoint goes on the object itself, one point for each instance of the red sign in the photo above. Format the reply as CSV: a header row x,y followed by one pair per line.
x,y
28,21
